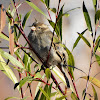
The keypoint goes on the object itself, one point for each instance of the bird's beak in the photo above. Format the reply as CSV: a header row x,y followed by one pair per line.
x,y
33,28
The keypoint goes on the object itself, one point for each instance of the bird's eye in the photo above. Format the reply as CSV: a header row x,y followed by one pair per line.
x,y
39,27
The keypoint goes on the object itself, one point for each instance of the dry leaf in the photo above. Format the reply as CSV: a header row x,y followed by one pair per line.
x,y
11,38
2,17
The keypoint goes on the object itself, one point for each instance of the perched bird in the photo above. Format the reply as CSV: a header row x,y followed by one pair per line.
x,y
40,38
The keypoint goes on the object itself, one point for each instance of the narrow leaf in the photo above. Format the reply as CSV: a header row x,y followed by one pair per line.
x,y
84,39
47,2
7,70
97,16
95,4
73,96
70,60
97,44
61,98
24,80
46,95
95,93
35,7
11,58
25,18
37,95
97,59
59,23
53,25
93,80
87,17
8,98
4,37
78,39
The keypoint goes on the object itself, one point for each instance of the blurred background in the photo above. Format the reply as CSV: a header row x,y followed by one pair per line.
x,y
71,25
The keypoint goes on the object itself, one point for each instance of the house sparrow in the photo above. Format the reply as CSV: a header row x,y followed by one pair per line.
x,y
40,38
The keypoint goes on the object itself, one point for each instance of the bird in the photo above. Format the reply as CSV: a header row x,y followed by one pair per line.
x,y
50,51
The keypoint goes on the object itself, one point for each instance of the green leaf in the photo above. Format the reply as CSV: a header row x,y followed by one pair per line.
x,y
24,98
78,39
97,44
84,39
97,16
25,18
48,73
38,85
11,58
37,75
24,80
95,93
37,95
45,94
87,17
70,60
93,80
53,25
53,10
4,37
61,98
73,96
49,90
47,2
97,59
95,4
59,75
36,8
7,71
12,98
59,22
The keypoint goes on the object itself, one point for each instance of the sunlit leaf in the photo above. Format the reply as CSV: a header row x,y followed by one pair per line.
x,y
73,96
93,80
24,98
13,60
45,94
4,37
36,8
87,17
7,70
84,39
95,4
78,39
37,75
61,98
48,73
8,98
95,93
23,81
38,85
25,18
37,95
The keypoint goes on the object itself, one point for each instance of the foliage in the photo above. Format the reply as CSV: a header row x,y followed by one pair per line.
x,y
21,59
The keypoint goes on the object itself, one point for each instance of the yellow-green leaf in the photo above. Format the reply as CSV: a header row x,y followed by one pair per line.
x,y
95,81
